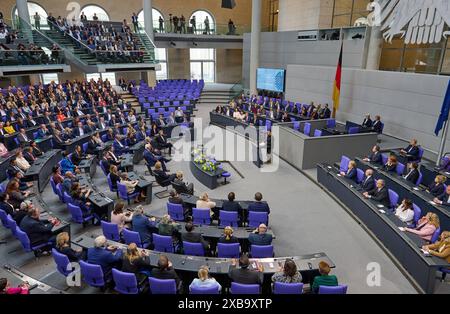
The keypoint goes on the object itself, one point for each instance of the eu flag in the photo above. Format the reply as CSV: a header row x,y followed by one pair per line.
x,y
444,111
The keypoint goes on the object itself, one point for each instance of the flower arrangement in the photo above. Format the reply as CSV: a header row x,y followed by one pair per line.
x,y
207,163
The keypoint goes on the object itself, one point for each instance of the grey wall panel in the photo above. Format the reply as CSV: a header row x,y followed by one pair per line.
x,y
408,103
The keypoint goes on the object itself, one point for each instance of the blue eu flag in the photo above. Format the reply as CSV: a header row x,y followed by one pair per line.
x,y
444,111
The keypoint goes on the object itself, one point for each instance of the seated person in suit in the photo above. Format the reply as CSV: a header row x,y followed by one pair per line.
x,y
160,122
437,188
379,193
288,273
174,198
6,206
260,236
205,203
111,157
325,113
80,198
426,226
444,198
351,172
104,255
228,236
193,237
377,125
93,145
162,142
165,271
63,247
28,155
38,231
16,196
132,186
143,225
412,151
80,130
375,155
187,188
405,211
368,184
413,173
137,262
114,175
204,280
258,205
391,164
69,179
163,176
325,279
67,164
243,274
21,162
22,137
43,131
119,147
367,123
231,205
77,155
440,249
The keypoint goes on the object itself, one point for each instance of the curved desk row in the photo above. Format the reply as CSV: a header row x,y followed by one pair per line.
x,y
16,277
41,170
406,247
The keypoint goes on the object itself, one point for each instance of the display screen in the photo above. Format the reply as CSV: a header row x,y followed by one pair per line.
x,y
270,79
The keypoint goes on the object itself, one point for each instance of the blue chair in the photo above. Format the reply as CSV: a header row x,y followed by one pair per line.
x,y
257,218
343,166
162,286
296,125
110,184
287,288
227,218
53,184
77,214
228,250
359,175
201,216
110,231
331,123
237,288
85,147
104,138
92,274
400,168
26,244
163,243
340,289
393,198
261,251
417,214
195,249
11,225
307,129
3,218
353,130
175,211
126,283
225,175
35,135
210,290
419,179
317,133
60,192
133,237
103,167
62,263
123,194
384,158
436,235
67,198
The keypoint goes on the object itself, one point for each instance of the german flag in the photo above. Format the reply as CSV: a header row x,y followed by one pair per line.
x,y
337,84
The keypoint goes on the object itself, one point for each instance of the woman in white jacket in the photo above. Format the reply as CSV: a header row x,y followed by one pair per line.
x,y
405,211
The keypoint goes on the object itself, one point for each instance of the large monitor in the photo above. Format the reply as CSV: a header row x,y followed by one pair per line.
x,y
270,79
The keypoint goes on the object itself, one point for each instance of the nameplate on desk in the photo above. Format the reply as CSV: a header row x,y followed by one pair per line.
x,y
432,203
425,253
447,173
380,206
339,175
329,167
382,211
416,188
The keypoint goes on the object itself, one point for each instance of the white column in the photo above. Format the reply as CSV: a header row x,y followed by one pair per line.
x,y
254,48
24,15
148,18
375,47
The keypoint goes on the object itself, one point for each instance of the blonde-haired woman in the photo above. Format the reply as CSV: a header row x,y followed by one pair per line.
x,y
167,226
228,236
63,247
136,262
204,281
351,172
426,226
205,203
440,249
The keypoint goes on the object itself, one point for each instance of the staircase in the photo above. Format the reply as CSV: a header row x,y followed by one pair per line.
x,y
131,99
215,94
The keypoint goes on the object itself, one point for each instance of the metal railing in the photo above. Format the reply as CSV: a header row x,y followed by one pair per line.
x,y
200,29
236,90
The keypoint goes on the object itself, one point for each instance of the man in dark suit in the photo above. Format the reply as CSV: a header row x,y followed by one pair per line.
x,y
260,236
22,137
368,183
92,146
367,123
375,156
162,142
231,205
165,271
143,225
102,124
151,157
119,148
377,125
194,237
105,256
379,193
80,130
412,151
162,175
413,173
160,122
243,274
326,113
38,231
28,155
259,205
43,131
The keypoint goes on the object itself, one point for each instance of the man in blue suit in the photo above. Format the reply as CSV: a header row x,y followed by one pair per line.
x,y
260,236
375,156
143,225
258,205
80,130
119,148
151,157
368,184
43,131
103,255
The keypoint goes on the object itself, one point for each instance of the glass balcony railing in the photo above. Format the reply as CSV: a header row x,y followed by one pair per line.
x,y
200,29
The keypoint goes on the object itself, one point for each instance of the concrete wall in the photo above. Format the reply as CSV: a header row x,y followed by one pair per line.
x,y
409,104
304,14
280,49
178,62
228,65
